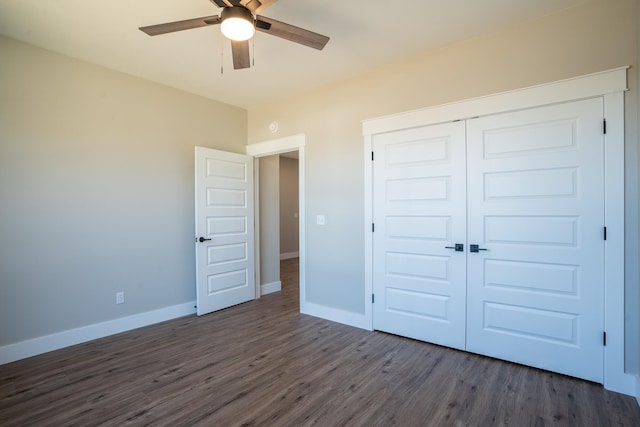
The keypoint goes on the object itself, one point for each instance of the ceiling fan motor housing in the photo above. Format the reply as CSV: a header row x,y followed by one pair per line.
x,y
236,12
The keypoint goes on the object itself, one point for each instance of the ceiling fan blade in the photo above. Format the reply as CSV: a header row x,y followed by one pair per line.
x,y
252,5
219,3
240,53
256,6
187,24
291,32
263,5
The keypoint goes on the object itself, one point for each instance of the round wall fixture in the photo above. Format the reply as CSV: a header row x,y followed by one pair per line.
x,y
273,127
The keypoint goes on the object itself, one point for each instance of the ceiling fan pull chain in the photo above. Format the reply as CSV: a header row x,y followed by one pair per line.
x,y
221,59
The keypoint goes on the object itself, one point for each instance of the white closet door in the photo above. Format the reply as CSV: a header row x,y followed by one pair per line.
x,y
419,210
536,209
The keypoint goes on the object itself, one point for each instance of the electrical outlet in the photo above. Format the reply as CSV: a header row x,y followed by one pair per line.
x,y
119,297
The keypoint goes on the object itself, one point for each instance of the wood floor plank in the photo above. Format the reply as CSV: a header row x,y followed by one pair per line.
x,y
264,364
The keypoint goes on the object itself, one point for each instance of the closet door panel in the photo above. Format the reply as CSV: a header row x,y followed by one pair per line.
x,y
419,211
535,288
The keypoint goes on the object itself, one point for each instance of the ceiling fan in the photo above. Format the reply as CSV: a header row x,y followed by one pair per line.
x,y
238,21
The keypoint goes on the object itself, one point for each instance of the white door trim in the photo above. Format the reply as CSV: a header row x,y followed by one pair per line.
x,y
615,377
278,146
610,85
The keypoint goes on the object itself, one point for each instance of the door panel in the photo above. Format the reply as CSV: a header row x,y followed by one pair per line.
x,y
224,214
536,204
419,209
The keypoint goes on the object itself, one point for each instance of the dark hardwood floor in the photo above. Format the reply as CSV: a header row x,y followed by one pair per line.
x,y
264,364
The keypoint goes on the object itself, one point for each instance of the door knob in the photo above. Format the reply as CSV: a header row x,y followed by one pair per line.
x,y
476,248
202,239
458,247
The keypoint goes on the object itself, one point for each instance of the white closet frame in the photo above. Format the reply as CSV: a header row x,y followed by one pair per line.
x,y
610,85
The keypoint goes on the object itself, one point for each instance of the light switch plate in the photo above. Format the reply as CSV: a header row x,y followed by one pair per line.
x,y
320,219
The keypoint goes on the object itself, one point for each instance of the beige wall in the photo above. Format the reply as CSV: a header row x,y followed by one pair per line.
x,y
96,191
597,36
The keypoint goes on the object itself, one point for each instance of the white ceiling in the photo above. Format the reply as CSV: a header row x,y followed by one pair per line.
x,y
364,34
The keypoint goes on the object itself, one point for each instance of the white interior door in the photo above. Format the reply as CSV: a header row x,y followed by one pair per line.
x,y
419,213
536,207
224,229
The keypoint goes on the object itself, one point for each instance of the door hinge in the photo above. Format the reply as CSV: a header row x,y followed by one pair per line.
x,y
604,126
373,227
372,156
605,233
373,298
604,338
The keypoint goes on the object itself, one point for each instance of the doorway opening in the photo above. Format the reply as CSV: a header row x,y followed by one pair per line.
x,y
289,223
268,254
278,213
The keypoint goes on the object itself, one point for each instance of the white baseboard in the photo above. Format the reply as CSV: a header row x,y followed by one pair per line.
x,y
45,344
289,255
270,288
347,317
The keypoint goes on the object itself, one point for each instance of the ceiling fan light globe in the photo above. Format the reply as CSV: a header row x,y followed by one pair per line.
x,y
237,29
237,23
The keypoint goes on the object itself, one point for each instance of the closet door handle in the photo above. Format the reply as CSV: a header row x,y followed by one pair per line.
x,y
459,247
202,239
476,248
